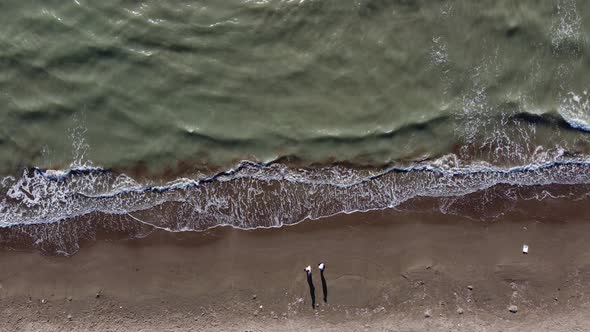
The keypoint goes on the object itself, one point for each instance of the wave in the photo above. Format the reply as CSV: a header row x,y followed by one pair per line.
x,y
545,119
407,129
262,194
575,110
562,119
55,210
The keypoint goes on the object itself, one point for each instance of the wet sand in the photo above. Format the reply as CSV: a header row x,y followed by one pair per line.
x,y
386,271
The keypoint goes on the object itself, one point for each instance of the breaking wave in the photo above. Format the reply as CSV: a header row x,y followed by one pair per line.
x,y
259,194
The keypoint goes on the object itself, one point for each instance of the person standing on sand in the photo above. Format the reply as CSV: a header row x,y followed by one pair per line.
x,y
311,287
322,267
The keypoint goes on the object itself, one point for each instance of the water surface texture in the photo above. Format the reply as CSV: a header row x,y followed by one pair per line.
x,y
337,106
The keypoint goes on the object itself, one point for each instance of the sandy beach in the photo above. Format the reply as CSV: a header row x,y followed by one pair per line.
x,y
412,269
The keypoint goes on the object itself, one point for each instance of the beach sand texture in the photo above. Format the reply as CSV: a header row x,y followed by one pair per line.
x,y
403,270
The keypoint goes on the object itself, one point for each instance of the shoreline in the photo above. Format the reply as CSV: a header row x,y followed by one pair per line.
x,y
69,236
385,270
55,212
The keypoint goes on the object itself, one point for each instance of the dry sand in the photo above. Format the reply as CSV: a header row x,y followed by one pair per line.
x,y
386,271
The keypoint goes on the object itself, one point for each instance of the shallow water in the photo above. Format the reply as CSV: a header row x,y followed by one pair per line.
x,y
103,101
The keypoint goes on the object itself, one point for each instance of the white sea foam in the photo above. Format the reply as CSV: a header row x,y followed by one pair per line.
x,y
575,109
438,52
80,147
567,23
257,195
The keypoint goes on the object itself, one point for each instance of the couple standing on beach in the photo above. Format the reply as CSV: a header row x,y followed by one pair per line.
x,y
322,267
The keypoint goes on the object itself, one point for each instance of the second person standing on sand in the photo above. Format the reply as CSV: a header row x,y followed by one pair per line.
x,y
322,267
311,286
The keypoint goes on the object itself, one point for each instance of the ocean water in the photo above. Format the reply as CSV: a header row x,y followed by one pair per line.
x,y
185,115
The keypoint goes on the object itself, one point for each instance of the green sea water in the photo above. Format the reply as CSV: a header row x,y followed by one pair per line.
x,y
121,117
118,83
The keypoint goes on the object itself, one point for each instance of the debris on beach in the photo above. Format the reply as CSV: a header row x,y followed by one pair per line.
x,y
513,309
379,310
427,313
254,297
43,301
470,287
70,317
525,249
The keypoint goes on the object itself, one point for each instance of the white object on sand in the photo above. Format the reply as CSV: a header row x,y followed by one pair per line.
x,y
525,249
322,266
308,269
